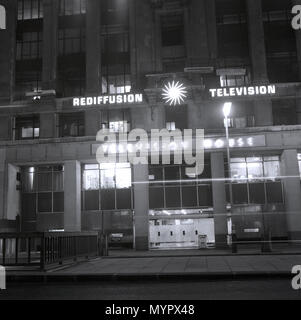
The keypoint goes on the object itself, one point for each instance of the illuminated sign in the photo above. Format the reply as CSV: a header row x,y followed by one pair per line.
x,y
129,98
2,18
174,93
243,91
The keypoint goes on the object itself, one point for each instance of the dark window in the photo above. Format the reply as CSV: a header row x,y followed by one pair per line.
x,y
172,30
29,45
173,197
170,187
42,190
72,125
178,115
115,47
257,193
27,127
156,198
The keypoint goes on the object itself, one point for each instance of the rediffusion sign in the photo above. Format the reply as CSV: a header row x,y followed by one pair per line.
x,y
128,98
243,91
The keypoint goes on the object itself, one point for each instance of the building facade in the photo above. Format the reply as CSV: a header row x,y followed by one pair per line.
x,y
58,57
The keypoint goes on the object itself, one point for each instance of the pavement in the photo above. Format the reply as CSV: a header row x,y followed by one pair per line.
x,y
199,267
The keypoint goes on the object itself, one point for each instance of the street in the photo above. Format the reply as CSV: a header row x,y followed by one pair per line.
x,y
248,289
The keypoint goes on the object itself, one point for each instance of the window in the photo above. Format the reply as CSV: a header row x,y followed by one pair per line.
x,y
299,162
2,18
71,40
172,30
72,7
233,81
107,186
116,84
170,187
44,187
255,168
115,12
176,115
232,29
171,126
241,122
255,180
72,125
29,45
115,41
30,9
27,127
116,120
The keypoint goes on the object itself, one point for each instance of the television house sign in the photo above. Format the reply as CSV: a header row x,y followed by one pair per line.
x,y
243,91
129,98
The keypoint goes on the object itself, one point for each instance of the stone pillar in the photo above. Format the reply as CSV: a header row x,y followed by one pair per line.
x,y
50,44
141,207
141,41
72,196
13,194
5,128
2,182
219,199
292,192
93,48
195,115
47,125
262,109
92,122
298,42
7,50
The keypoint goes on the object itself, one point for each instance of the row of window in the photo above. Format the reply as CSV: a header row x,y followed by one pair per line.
x,y
255,180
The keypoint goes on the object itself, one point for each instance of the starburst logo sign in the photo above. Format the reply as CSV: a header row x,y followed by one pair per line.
x,y
174,93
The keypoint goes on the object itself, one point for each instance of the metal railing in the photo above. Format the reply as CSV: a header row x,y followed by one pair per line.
x,y
48,249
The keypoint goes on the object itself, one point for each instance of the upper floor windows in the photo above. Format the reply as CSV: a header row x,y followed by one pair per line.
x,y
27,127
172,30
116,120
255,169
30,9
72,7
71,40
29,45
72,124
116,84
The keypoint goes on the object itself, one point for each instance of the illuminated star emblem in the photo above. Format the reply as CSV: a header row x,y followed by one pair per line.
x,y
174,93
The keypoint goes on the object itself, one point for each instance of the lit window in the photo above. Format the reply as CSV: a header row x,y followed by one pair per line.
x,y
27,127
255,168
233,81
30,9
171,126
72,125
299,162
119,126
2,17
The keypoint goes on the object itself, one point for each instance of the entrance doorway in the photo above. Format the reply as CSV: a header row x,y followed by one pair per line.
x,y
181,229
